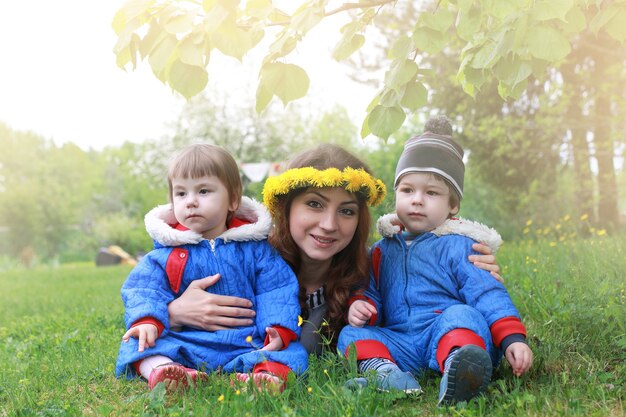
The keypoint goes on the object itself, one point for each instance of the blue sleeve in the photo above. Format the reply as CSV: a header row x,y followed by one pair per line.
x,y
146,292
372,292
276,290
478,288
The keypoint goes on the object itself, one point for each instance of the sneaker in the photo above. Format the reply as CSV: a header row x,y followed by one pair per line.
x,y
264,381
394,380
466,375
175,377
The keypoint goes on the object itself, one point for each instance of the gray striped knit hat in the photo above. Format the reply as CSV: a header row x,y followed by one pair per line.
x,y
436,153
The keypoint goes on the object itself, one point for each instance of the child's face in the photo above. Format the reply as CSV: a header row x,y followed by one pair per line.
x,y
201,204
322,222
423,202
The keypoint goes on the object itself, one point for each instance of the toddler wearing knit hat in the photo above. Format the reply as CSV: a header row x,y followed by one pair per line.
x,y
427,306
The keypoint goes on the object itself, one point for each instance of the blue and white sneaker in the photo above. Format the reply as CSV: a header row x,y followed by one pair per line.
x,y
394,380
466,375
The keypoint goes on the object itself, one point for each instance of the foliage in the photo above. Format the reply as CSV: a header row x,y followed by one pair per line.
x,y
62,327
509,41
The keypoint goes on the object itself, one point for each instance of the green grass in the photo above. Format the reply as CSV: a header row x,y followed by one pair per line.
x,y
60,330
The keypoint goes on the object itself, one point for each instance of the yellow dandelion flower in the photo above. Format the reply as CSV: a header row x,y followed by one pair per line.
x,y
326,371
558,226
546,231
238,392
592,229
561,239
567,217
220,398
309,389
249,339
529,222
601,232
584,217
552,244
526,230
300,321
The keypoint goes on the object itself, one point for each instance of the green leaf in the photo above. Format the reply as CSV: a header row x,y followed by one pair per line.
x,y
602,18
188,80
401,72
401,48
283,45
307,18
616,27
429,40
512,71
232,40
551,9
575,21
383,121
263,97
160,56
365,128
347,46
389,97
490,53
468,23
288,81
545,42
181,23
505,91
415,96
190,52
500,9
259,8
439,21
131,10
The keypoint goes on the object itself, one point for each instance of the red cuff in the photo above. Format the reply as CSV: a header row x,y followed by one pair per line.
x,y
504,327
359,296
456,338
274,368
367,349
150,320
286,335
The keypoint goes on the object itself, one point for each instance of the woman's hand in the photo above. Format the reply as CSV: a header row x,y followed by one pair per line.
x,y
486,260
205,311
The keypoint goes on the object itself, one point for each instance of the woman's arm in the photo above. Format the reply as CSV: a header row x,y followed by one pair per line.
x,y
486,260
205,311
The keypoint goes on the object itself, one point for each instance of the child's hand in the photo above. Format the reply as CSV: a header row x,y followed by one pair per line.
x,y
275,343
360,313
520,357
146,333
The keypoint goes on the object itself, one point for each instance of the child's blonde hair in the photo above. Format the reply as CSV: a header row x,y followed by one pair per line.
x,y
203,159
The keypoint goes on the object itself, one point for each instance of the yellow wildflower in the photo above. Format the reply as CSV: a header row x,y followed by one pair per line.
x,y
309,389
601,232
526,230
300,321
552,244
584,217
220,398
529,222
566,218
558,226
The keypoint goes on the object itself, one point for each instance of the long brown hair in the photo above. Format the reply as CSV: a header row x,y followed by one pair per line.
x,y
349,268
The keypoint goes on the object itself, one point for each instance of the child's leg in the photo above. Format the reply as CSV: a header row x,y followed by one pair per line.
x,y
461,338
373,355
267,376
174,376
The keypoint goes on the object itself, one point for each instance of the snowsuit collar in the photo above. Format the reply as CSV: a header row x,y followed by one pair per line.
x,y
255,224
389,225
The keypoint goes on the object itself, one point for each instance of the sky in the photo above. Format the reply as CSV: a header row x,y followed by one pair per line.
x,y
59,79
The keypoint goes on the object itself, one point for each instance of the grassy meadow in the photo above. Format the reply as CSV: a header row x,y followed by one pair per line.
x,y
60,329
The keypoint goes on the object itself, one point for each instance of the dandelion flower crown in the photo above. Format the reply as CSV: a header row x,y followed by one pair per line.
x,y
353,180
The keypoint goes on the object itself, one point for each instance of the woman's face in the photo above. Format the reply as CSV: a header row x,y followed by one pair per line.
x,y
322,222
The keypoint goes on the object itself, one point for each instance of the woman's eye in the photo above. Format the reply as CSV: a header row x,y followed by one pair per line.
x,y
347,212
314,204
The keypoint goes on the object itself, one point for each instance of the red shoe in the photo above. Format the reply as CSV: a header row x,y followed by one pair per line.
x,y
175,376
264,381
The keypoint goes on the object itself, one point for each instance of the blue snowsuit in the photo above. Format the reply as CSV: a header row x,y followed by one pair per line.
x,y
425,290
249,267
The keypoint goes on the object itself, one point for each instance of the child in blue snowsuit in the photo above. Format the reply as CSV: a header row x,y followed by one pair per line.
x,y
426,305
210,229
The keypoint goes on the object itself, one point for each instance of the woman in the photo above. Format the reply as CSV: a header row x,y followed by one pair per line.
x,y
320,209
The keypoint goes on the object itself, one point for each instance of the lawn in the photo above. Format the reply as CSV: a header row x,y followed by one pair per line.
x,y
61,327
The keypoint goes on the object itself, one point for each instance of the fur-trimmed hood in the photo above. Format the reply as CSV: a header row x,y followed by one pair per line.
x,y
389,225
159,220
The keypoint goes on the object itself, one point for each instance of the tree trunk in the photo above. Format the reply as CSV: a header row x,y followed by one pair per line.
x,y
580,146
608,213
